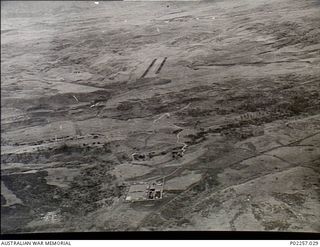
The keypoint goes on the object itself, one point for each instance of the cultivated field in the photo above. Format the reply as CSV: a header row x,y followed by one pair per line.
x,y
220,100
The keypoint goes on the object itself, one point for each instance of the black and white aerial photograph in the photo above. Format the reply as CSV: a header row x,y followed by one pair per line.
x,y
144,116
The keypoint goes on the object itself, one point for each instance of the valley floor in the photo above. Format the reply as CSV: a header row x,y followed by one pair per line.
x,y
220,100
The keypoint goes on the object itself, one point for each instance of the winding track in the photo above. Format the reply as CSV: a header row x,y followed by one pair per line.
x,y
144,220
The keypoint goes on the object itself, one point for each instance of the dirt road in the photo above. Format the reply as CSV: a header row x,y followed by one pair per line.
x,y
222,98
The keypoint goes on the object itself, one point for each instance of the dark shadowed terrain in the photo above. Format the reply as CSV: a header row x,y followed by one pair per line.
x,y
220,100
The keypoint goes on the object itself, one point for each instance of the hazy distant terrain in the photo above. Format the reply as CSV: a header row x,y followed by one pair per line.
x,y
220,100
